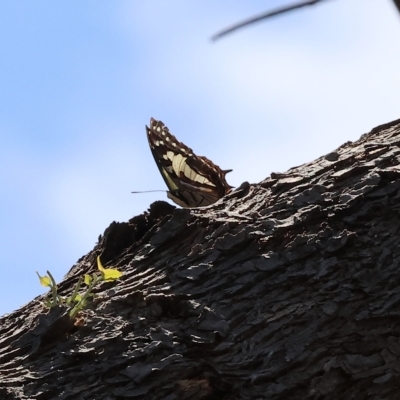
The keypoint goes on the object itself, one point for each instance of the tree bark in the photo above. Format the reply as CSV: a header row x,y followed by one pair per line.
x,y
287,289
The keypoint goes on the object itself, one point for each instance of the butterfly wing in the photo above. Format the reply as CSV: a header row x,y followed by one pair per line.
x,y
193,181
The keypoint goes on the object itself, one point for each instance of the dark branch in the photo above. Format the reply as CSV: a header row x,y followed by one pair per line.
x,y
267,15
397,4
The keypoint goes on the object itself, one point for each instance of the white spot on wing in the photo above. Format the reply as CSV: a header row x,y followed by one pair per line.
x,y
189,173
178,163
193,175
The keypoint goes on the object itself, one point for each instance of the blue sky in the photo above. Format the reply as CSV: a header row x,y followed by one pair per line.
x,y
80,79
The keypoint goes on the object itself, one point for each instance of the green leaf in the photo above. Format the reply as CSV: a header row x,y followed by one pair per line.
x,y
110,274
78,297
87,279
53,282
99,264
44,280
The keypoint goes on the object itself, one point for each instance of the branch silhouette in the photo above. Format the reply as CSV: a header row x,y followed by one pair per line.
x,y
266,15
274,13
397,4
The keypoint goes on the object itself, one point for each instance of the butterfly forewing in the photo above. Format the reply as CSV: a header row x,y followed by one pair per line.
x,y
193,181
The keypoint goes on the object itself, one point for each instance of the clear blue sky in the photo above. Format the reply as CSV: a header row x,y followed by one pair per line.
x,y
80,79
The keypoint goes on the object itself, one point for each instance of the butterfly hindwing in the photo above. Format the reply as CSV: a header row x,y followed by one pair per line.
x,y
193,181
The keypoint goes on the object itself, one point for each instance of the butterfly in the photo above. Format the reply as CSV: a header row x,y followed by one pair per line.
x,y
193,181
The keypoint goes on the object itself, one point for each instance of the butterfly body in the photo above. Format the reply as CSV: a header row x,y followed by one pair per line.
x,y
193,181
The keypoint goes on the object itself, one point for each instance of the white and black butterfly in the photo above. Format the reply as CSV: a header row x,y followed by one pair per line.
x,y
193,181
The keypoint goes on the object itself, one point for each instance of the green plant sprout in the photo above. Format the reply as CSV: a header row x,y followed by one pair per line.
x,y
77,301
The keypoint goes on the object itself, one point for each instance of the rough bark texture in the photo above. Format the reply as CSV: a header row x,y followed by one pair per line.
x,y
288,289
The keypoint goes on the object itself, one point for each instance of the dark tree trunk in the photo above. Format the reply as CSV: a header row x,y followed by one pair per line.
x,y
288,289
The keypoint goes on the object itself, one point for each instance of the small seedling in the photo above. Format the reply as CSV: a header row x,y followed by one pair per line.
x,y
77,301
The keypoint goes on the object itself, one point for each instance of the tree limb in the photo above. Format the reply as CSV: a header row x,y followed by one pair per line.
x,y
267,15
397,4
273,14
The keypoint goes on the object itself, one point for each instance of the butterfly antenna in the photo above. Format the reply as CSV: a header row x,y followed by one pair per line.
x,y
149,191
